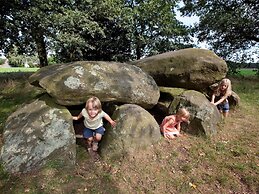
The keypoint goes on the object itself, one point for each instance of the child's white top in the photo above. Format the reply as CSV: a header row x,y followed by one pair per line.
x,y
94,123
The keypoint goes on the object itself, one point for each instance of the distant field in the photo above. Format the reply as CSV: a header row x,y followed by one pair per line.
x,y
17,69
247,72
244,72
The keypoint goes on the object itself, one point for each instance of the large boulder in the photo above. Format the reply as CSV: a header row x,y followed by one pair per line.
x,y
36,134
136,128
74,83
190,68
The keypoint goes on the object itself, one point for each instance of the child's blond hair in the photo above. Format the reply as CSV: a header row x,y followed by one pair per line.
x,y
96,103
228,91
183,112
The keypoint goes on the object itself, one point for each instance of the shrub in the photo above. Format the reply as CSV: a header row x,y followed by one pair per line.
x,y
20,60
2,61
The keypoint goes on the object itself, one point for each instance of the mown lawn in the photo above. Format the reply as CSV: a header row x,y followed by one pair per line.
x,y
225,163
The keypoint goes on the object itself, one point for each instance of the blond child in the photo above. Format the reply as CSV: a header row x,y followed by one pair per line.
x,y
93,122
171,127
222,92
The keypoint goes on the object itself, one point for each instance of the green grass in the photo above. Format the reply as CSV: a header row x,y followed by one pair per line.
x,y
17,69
247,72
225,163
12,95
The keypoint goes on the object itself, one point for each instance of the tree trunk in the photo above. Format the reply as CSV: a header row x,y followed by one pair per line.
x,y
138,52
41,48
138,46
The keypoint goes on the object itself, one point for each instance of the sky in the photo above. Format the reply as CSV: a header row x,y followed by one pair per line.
x,y
187,20
190,21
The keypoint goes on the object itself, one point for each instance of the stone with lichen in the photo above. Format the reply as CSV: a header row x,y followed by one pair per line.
x,y
37,134
74,83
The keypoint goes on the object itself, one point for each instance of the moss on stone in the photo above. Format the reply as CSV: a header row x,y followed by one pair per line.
x,y
172,91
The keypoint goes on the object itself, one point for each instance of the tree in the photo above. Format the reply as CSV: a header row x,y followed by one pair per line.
x,y
133,29
228,25
22,27
118,30
110,43
33,25
154,27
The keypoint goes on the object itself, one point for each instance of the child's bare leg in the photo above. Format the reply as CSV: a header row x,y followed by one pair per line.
x,y
225,114
97,138
89,142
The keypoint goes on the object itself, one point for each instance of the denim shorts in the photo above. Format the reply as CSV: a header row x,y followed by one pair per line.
x,y
91,133
224,107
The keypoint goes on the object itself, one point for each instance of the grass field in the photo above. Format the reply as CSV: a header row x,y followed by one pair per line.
x,y
248,72
17,69
225,163
243,72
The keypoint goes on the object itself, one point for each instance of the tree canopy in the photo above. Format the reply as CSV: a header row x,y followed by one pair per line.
x,y
39,26
91,29
154,27
227,25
